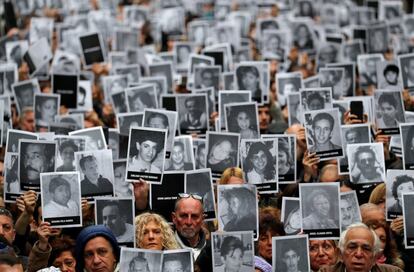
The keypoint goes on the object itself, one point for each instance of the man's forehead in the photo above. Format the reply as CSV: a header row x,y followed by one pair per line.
x,y
5,219
34,149
189,205
360,236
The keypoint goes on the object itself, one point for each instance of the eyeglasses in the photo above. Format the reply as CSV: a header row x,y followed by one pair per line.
x,y
195,196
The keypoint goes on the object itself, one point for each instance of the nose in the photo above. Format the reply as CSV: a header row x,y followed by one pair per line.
x,y
151,235
96,259
1,229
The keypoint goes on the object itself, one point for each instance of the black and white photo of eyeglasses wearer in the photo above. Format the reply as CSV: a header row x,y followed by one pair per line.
x,y
366,163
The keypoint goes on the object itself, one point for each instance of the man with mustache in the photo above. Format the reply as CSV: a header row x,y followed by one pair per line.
x,y
61,203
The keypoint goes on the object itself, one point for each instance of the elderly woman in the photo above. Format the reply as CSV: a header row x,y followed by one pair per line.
x,y
322,253
153,232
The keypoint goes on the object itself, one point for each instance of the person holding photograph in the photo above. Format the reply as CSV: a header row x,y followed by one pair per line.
x,y
93,183
241,214
248,78
241,122
222,155
147,148
232,253
46,110
402,184
178,159
67,152
259,164
322,127
364,168
116,222
320,207
390,116
61,203
194,118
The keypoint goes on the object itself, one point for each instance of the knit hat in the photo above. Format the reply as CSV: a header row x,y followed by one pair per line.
x,y
89,233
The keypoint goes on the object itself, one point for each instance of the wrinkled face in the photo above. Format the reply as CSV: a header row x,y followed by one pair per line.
x,y
111,218
7,228
233,260
34,161
250,81
222,151
68,155
243,120
152,237
91,169
66,262
147,150
322,253
188,217
173,266
322,130
321,206
259,161
359,250
99,256
389,112
346,212
291,259
48,110
404,188
177,154
157,122
61,195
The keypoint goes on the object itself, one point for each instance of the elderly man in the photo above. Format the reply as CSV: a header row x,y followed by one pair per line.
x,y
97,250
188,218
359,246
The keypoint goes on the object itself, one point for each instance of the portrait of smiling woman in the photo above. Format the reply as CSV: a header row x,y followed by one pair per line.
x,y
259,164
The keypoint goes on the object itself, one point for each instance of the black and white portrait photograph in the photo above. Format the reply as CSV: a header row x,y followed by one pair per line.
x,y
35,157
11,178
97,175
352,134
92,49
162,119
24,92
312,99
323,133
199,60
182,51
193,113
348,81
295,110
41,27
113,84
37,56
137,259
350,212
303,35
124,38
407,143
398,182
46,107
222,151
199,182
249,77
141,97
65,62
242,118
14,136
146,154
177,260
61,199
160,83
226,32
95,139
287,83
197,31
227,97
377,38
259,163
15,51
367,68
117,214
122,187
389,76
333,77
8,76
232,251
172,20
182,156
66,148
320,210
290,253
207,76
286,154
305,8
366,163
119,102
389,10
136,14
164,69
200,152
66,85
84,101
291,216
389,111
274,44
128,120
211,98
406,63
238,208
117,58
131,71
408,202
328,52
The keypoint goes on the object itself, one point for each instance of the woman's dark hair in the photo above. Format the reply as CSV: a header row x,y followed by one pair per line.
x,y
269,220
246,198
230,244
269,171
232,155
60,245
234,112
153,136
283,146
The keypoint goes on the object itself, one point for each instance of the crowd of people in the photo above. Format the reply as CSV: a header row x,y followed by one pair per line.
x,y
320,92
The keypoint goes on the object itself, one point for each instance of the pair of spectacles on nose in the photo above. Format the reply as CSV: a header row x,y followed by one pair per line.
x,y
195,196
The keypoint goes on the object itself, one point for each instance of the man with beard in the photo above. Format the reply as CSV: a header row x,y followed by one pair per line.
x,y
35,161
61,203
322,126
347,215
320,212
